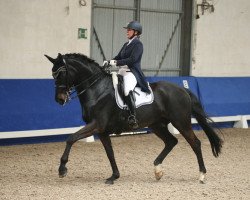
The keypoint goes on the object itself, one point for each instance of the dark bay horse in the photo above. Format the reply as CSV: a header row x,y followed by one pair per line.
x,y
103,117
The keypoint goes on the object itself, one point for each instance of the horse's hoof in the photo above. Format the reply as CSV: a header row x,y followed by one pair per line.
x,y
158,172
158,175
63,173
109,182
202,178
111,179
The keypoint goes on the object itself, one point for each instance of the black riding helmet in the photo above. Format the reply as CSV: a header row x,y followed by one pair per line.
x,y
135,25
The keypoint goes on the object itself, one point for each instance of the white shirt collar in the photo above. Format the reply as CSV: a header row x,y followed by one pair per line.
x,y
130,40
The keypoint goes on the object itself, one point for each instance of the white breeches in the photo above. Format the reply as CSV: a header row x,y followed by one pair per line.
x,y
128,78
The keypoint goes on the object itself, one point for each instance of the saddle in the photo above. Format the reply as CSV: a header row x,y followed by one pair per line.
x,y
141,98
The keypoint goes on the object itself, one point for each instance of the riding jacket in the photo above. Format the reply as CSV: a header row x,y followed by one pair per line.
x,y
130,55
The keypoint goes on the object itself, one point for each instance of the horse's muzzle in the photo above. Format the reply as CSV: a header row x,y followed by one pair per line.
x,y
62,98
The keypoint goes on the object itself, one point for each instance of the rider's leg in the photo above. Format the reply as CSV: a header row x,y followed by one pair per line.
x,y
129,82
131,105
129,85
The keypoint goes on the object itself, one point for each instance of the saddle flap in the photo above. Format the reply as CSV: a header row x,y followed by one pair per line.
x,y
141,98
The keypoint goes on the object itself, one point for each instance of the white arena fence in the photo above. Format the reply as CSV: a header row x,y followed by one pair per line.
x,y
240,121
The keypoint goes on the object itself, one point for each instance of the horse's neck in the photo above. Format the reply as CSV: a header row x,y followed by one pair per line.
x,y
97,92
92,98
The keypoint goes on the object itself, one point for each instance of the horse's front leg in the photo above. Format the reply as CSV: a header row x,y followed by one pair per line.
x,y
105,139
86,131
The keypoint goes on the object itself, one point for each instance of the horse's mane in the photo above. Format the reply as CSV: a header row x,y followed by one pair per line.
x,y
81,57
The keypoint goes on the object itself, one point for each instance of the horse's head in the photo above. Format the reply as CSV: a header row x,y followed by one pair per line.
x,y
72,70
62,82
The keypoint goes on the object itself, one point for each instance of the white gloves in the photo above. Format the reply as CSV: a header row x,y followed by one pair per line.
x,y
112,63
105,62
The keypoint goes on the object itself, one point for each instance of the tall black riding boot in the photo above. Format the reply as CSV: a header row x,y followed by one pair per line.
x,y
131,106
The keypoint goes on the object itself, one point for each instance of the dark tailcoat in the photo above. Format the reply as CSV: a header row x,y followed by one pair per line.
x,y
131,55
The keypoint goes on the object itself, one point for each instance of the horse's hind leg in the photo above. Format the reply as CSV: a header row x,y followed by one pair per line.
x,y
170,141
195,144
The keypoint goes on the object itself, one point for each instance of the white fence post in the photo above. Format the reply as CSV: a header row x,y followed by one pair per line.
x,y
242,123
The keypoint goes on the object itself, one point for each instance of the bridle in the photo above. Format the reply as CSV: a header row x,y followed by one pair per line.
x,y
70,90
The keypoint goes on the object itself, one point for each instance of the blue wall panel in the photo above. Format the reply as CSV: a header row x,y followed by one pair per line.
x,y
192,83
225,96
30,105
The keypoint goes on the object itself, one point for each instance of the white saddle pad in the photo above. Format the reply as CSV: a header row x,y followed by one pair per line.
x,y
141,98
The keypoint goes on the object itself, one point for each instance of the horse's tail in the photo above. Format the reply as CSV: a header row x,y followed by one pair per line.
x,y
202,118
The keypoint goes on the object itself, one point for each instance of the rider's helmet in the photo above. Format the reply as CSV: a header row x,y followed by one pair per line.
x,y
135,25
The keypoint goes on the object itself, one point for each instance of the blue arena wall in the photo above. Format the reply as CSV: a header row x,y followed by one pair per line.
x,y
225,96
29,104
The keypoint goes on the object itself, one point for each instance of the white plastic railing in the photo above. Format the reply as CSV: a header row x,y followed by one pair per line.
x,y
240,121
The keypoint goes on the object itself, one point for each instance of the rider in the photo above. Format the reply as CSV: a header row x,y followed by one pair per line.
x,y
129,62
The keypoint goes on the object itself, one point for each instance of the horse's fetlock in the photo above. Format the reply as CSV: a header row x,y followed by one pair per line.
x,y
116,175
157,162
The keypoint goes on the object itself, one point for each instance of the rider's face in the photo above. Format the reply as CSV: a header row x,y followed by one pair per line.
x,y
130,33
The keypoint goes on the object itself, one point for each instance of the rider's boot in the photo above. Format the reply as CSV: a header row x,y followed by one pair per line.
x,y
131,106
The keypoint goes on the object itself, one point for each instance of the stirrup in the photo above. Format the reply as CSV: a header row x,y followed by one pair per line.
x,y
132,121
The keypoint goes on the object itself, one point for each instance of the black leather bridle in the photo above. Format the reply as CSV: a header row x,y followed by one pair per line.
x,y
70,90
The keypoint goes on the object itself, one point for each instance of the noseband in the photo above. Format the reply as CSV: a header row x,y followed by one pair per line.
x,y
86,84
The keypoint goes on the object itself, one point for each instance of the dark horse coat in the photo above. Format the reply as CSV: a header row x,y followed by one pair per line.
x,y
96,95
131,55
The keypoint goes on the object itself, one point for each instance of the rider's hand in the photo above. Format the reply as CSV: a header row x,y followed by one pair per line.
x,y
112,63
105,63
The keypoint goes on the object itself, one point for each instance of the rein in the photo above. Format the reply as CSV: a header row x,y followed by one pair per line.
x,y
90,82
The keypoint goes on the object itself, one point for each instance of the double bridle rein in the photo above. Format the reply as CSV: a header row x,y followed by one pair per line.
x,y
70,90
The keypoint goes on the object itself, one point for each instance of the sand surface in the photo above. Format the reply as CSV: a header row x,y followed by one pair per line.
x,y
30,171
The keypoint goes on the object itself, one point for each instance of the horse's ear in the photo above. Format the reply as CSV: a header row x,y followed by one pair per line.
x,y
50,59
60,56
